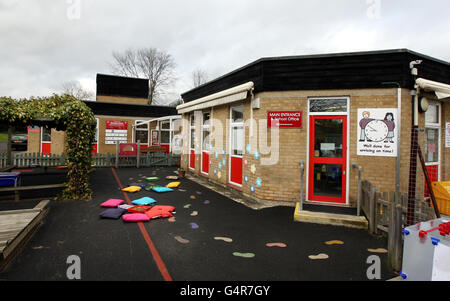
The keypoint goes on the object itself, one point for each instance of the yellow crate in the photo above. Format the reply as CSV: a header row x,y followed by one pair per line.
x,y
441,191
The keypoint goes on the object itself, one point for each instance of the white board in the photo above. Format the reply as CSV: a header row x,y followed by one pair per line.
x,y
441,263
377,132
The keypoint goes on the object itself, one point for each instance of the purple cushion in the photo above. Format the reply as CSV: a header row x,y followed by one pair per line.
x,y
114,213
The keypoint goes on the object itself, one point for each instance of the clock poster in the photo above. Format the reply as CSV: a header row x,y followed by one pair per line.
x,y
377,132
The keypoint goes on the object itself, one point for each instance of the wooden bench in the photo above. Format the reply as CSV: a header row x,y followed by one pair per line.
x,y
17,228
34,187
7,168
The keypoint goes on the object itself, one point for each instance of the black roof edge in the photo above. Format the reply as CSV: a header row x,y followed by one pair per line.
x,y
121,76
326,55
126,104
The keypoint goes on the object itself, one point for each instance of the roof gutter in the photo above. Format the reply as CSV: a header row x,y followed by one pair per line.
x,y
220,98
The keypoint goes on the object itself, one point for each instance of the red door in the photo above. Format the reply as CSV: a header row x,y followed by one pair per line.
x,y
205,162
327,159
433,174
192,159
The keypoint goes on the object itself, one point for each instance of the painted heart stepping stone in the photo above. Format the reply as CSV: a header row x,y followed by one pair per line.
x,y
187,206
194,225
181,239
193,197
206,202
334,242
171,219
318,256
244,255
379,250
225,239
194,213
182,190
276,244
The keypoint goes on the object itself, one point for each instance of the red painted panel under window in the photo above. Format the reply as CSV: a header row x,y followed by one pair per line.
x,y
433,171
46,147
205,162
167,147
192,159
94,149
236,170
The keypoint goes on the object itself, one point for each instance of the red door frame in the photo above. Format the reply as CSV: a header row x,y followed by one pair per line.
x,y
322,160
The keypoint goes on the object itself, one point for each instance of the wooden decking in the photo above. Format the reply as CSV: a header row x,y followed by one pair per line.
x,y
16,227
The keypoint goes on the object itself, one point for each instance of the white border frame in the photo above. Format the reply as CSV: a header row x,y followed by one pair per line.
x,y
235,124
347,114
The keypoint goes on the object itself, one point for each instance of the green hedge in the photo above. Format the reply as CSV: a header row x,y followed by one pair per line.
x,y
66,113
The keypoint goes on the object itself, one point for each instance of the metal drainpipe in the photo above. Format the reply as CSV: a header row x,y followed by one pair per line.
x,y
302,169
398,124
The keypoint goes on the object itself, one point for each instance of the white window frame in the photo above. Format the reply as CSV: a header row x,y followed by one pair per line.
x,y
204,128
165,130
191,128
233,125
438,126
137,129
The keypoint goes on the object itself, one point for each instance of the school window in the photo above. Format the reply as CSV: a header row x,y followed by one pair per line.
x,y
432,132
141,132
46,134
165,132
205,132
237,131
192,132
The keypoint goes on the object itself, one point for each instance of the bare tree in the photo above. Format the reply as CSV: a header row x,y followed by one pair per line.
x,y
155,65
75,89
199,77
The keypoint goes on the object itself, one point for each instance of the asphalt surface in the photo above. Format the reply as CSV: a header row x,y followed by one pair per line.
x,y
116,250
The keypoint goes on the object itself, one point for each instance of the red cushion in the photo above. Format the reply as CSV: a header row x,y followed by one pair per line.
x,y
135,217
160,211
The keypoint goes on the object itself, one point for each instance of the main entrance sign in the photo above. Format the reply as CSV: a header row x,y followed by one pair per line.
x,y
284,119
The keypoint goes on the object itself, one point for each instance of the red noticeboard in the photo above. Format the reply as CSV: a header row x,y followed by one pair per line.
x,y
284,119
116,125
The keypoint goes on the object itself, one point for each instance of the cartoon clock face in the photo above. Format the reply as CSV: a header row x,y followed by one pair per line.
x,y
376,130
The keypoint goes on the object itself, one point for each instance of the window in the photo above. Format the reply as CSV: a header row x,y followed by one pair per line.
x,y
205,132
141,132
432,132
165,132
321,105
46,134
192,144
237,131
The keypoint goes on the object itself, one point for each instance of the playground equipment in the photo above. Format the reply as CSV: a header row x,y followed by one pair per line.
x,y
426,251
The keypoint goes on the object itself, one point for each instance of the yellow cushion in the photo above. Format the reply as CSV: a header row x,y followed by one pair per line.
x,y
132,189
173,184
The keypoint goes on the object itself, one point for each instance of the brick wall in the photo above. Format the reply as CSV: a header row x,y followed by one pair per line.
x,y
281,181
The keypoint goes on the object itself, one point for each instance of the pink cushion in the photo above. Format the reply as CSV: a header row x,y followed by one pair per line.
x,y
112,203
135,217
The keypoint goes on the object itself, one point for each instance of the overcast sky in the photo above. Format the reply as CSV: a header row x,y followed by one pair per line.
x,y
44,43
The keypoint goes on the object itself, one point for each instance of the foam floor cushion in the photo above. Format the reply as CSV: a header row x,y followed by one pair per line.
x,y
112,203
160,211
138,209
135,217
152,179
132,189
144,201
112,213
162,189
173,184
150,187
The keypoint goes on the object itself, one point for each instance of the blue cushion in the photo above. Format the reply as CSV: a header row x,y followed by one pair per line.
x,y
114,213
144,201
162,189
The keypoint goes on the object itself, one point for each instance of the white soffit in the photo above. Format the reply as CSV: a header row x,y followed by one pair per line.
x,y
220,98
441,90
